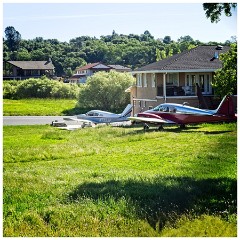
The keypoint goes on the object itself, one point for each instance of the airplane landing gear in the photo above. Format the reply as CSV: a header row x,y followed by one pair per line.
x,y
145,127
182,126
160,128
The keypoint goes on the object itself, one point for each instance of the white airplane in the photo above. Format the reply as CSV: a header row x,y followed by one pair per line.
x,y
93,117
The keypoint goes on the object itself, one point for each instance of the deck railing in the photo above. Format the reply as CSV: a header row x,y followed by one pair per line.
x,y
177,91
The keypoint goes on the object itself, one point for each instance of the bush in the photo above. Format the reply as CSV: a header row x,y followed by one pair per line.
x,y
39,88
65,91
106,91
9,91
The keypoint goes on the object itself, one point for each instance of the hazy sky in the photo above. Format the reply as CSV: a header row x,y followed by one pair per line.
x,y
65,21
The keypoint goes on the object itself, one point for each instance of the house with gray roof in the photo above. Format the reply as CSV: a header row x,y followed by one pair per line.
x,y
27,69
174,79
90,69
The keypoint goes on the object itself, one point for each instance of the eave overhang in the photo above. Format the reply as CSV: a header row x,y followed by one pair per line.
x,y
175,71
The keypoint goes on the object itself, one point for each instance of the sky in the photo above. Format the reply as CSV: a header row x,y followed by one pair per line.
x,y
65,21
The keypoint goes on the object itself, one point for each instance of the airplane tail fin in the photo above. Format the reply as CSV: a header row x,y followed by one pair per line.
x,y
127,111
226,106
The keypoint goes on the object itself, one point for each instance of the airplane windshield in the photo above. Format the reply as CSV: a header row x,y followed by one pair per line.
x,y
91,114
94,114
162,108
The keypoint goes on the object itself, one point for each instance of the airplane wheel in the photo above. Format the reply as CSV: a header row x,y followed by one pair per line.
x,y
160,128
146,127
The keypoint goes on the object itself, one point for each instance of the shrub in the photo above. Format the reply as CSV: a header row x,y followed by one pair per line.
x,y
39,88
106,91
65,91
9,91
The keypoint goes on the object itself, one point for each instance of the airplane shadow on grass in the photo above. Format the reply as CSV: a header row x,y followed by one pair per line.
x,y
165,199
188,129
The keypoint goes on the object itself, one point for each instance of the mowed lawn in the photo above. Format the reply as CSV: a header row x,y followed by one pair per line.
x,y
39,107
120,181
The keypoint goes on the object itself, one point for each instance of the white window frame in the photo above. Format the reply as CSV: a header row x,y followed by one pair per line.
x,y
193,78
139,80
205,86
175,82
144,80
153,80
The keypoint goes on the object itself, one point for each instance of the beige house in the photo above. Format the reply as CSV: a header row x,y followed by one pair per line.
x,y
90,69
174,79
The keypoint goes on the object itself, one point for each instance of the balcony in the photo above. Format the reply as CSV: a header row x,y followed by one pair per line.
x,y
173,91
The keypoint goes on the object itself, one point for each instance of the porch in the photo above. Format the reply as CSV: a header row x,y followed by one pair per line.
x,y
176,91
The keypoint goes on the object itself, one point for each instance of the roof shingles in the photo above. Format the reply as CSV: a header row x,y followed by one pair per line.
x,y
33,65
201,57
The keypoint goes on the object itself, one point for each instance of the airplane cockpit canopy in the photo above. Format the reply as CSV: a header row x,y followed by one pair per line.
x,y
93,114
164,108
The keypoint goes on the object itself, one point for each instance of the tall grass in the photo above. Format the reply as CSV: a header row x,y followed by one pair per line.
x,y
115,181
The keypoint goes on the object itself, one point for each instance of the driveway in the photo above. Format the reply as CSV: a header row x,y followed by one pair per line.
x,y
30,120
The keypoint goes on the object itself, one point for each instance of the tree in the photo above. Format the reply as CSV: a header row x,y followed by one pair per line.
x,y
167,39
23,55
13,38
214,10
225,79
186,39
106,91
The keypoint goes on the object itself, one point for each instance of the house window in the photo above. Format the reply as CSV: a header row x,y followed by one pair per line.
x,y
190,84
35,72
205,83
153,80
172,79
144,80
28,73
139,80
201,82
190,80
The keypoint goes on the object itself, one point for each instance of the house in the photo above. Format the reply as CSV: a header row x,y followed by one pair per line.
x,y
174,79
120,68
27,69
88,70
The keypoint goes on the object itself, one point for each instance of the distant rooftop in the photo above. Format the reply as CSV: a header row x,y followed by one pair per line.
x,y
120,67
33,65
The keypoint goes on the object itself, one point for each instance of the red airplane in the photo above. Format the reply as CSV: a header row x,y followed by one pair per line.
x,y
171,113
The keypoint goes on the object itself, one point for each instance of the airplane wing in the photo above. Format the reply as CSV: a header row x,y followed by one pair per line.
x,y
70,127
149,120
78,120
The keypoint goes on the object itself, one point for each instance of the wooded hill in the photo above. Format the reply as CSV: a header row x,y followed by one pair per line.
x,y
128,50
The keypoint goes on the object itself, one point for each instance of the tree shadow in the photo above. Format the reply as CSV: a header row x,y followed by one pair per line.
x,y
164,199
75,111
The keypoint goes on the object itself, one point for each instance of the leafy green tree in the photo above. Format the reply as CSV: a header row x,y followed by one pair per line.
x,y
225,79
129,50
186,39
167,39
38,55
23,55
6,52
13,38
214,10
106,91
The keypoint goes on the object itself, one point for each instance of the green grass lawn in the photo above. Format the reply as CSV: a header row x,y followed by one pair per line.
x,y
120,181
39,107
